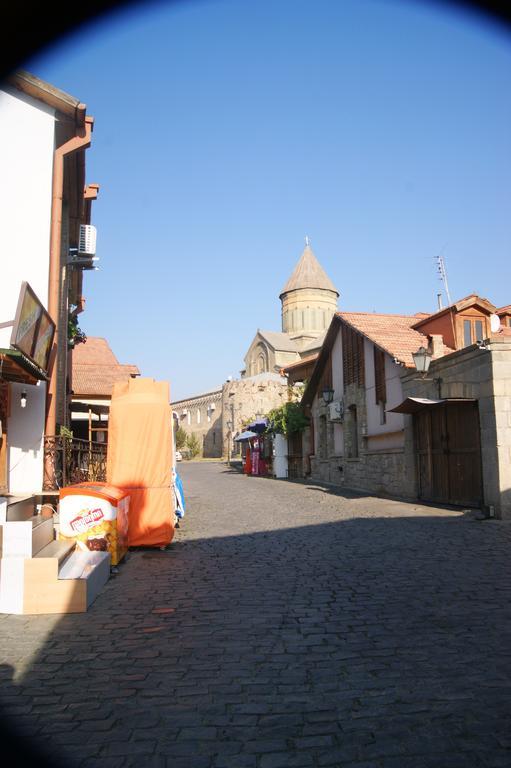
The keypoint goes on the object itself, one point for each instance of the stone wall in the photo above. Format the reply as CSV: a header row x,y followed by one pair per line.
x,y
248,398
380,472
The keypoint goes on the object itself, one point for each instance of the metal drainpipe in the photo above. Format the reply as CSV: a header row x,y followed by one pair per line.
x,y
80,141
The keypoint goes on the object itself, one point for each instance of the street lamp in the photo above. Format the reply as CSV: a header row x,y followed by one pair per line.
x,y
422,360
229,435
328,395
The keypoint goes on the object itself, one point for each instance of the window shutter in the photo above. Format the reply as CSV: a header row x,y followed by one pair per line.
x,y
379,376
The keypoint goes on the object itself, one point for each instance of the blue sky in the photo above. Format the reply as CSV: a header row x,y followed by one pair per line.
x,y
228,130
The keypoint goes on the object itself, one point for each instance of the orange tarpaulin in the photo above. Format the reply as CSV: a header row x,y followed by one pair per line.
x,y
139,457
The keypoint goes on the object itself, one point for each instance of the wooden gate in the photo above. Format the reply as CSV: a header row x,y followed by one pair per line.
x,y
449,454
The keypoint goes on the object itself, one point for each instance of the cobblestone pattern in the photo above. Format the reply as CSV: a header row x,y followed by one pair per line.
x,y
287,625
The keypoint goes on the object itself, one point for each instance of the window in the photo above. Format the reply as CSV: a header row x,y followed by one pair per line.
x,y
467,333
188,418
473,331
323,437
198,415
380,391
353,433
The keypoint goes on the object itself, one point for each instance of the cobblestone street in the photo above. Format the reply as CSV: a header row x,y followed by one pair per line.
x,y
286,625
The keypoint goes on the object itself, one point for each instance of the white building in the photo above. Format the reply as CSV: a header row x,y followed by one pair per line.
x,y
43,201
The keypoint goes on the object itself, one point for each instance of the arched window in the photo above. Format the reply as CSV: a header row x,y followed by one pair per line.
x,y
198,415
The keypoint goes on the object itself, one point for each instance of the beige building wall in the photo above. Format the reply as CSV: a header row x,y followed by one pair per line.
x,y
202,416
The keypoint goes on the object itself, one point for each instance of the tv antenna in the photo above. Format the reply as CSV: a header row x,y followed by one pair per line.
x,y
440,262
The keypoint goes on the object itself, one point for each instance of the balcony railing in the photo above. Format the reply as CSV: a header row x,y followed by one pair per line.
x,y
68,460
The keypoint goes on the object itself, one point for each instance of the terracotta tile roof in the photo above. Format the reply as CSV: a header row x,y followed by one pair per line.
x,y
392,333
303,361
504,310
96,368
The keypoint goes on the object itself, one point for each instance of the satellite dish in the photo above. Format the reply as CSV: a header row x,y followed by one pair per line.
x,y
494,323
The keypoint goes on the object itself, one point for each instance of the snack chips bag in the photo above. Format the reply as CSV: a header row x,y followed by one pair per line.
x,y
95,522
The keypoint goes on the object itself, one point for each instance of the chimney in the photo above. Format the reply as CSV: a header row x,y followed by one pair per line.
x,y
436,345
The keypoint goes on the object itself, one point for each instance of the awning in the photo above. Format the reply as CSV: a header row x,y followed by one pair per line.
x,y
414,404
15,366
78,407
245,436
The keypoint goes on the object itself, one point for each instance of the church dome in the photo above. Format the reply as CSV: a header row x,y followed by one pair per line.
x,y
309,300
308,273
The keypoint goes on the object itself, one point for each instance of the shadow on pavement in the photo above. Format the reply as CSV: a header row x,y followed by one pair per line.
x,y
384,640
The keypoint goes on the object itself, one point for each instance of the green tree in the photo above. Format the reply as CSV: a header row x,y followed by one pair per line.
x,y
193,445
180,438
287,419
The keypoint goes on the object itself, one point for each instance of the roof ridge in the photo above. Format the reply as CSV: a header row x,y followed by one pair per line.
x,y
341,313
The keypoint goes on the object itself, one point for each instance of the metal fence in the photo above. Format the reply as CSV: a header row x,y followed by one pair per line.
x,y
68,460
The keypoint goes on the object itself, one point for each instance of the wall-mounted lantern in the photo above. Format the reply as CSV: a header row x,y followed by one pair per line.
x,y
328,395
422,360
23,399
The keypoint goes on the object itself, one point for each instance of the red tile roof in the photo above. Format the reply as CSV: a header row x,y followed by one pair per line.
x,y
96,368
303,362
392,333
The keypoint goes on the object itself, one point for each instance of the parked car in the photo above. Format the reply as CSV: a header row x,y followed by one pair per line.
x,y
179,456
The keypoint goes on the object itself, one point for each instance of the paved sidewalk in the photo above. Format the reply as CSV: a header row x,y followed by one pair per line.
x,y
285,626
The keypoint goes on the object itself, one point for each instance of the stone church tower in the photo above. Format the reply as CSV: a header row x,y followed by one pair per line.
x,y
309,300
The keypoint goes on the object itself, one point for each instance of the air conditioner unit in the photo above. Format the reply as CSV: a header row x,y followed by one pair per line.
x,y
87,240
336,411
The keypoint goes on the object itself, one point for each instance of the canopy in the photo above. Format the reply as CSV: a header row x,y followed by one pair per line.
x,y
259,425
245,436
15,366
414,404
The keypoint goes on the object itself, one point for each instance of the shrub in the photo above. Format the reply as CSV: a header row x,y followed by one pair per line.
x,y
180,438
193,445
287,419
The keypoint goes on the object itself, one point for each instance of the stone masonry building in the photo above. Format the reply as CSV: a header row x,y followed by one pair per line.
x,y
308,303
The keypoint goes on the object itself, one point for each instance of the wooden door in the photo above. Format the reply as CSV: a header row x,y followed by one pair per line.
x,y
449,454
4,413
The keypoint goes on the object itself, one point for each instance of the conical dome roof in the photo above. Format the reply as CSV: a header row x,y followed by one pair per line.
x,y
308,273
